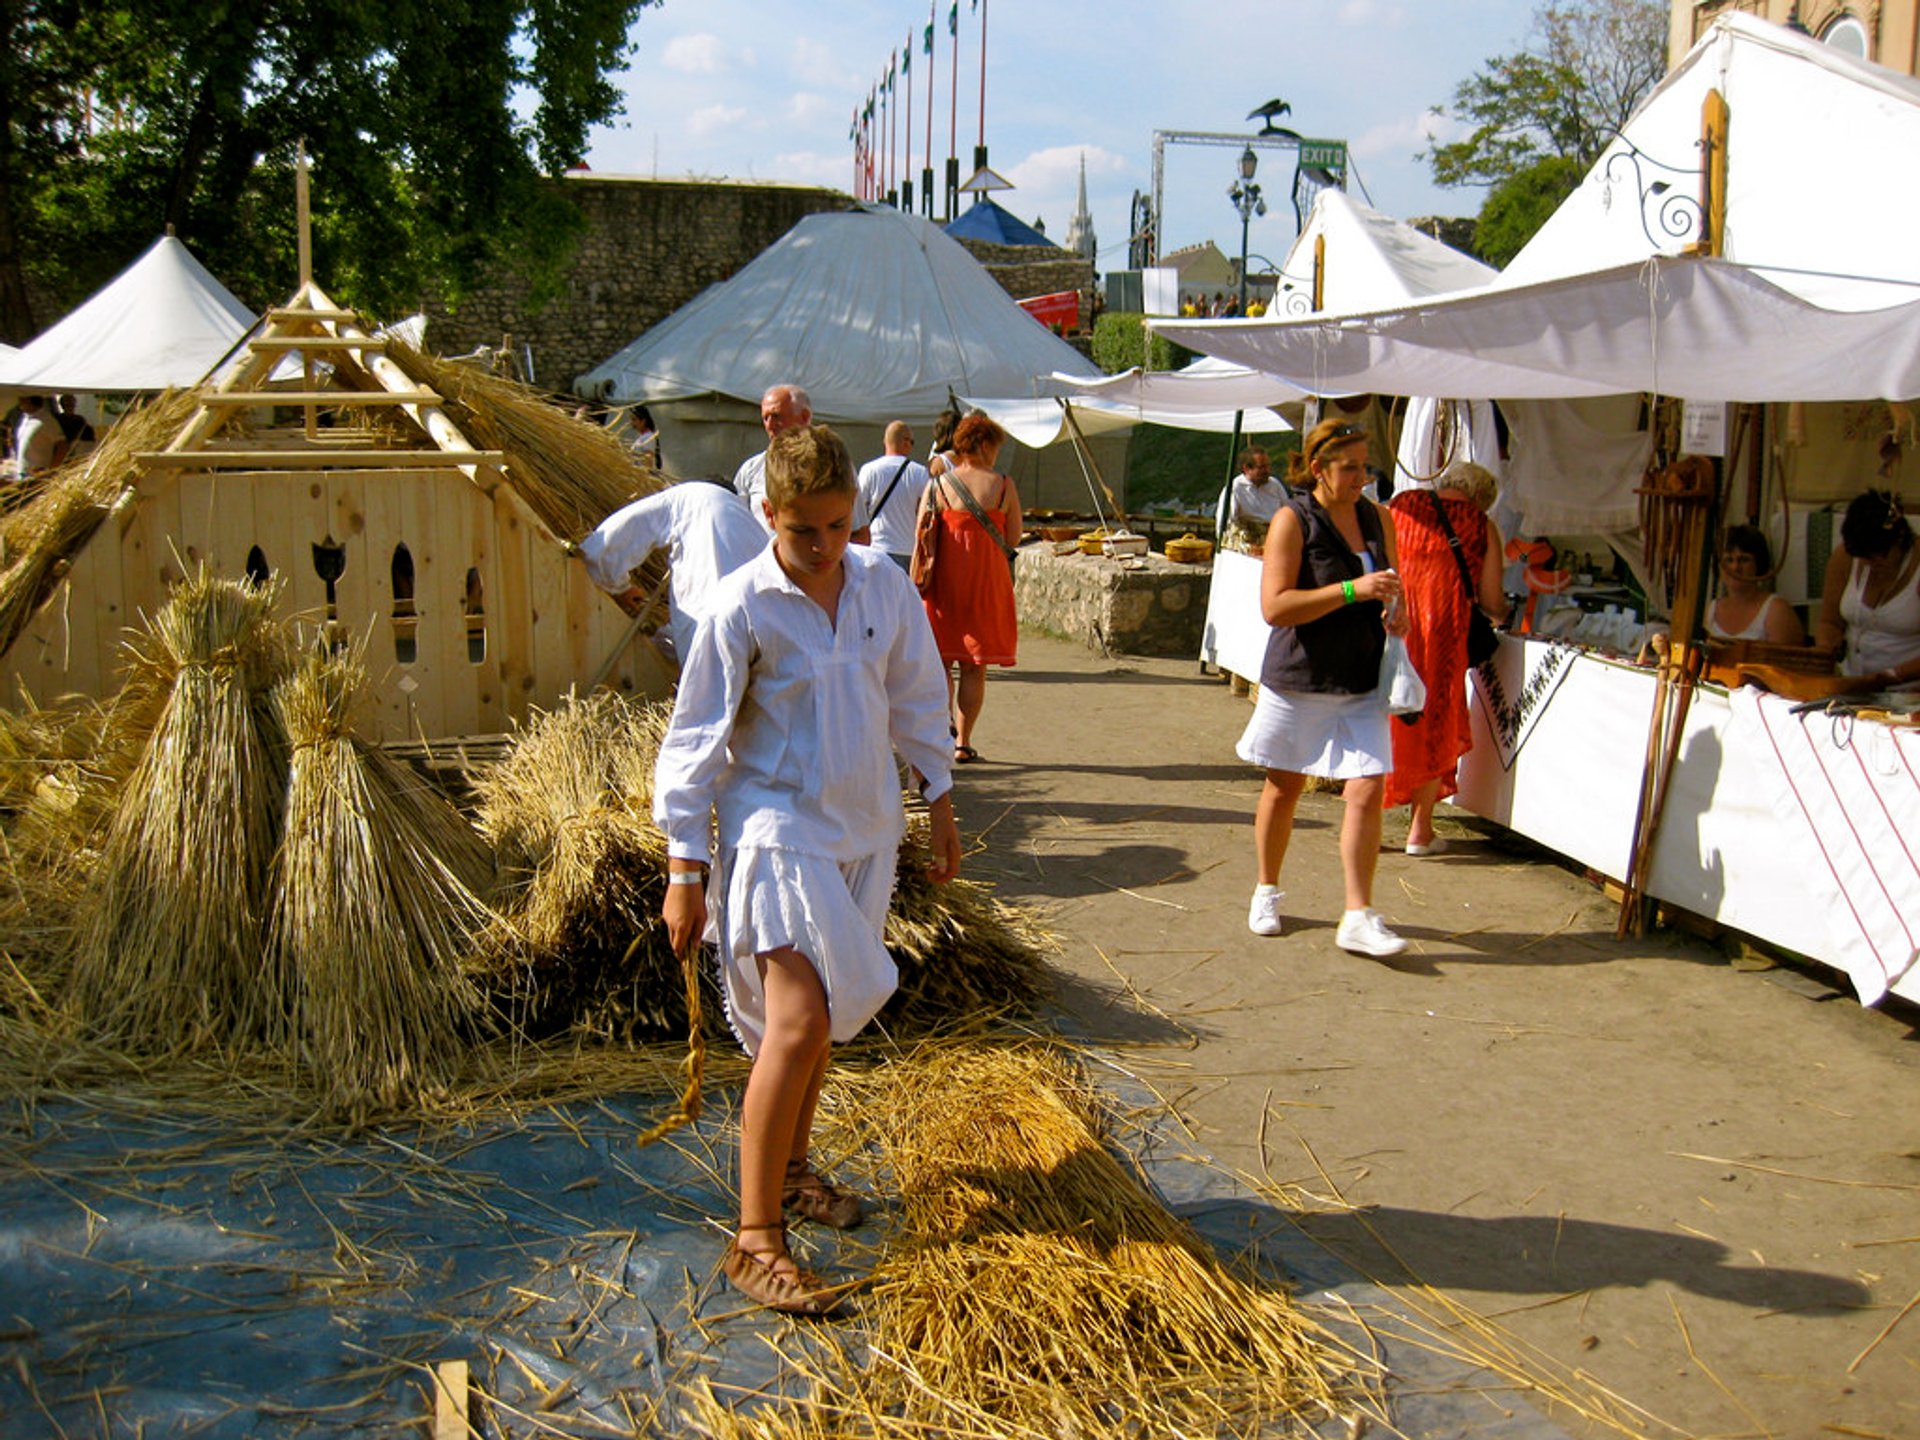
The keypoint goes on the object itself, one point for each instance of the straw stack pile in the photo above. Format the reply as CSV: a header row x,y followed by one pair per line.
x,y
1034,1287
569,815
378,887
169,953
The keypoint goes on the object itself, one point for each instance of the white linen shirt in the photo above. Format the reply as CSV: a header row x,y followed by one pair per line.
x,y
782,720
707,532
1257,504
893,525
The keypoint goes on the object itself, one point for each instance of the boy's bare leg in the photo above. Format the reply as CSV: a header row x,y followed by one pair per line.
x,y
803,1122
781,1087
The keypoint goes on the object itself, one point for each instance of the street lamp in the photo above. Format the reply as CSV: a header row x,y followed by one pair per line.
x,y
1245,196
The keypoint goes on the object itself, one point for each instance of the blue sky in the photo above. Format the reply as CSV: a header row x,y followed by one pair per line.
x,y
750,89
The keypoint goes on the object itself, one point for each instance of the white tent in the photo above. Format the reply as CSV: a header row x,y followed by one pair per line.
x,y
1208,387
1367,260
1816,200
876,313
162,321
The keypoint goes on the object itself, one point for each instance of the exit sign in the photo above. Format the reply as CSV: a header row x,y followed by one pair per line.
x,y
1323,155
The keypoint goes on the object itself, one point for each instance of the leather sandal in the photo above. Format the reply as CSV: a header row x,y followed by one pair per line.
x,y
810,1197
761,1277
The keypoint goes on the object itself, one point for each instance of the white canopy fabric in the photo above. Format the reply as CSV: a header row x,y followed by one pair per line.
x,y
1816,200
162,321
1206,387
877,314
1040,423
1697,328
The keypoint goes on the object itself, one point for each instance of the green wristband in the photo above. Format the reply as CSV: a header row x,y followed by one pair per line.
x,y
1346,589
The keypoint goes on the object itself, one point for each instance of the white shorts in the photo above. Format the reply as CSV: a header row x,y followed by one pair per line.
x,y
1340,737
832,913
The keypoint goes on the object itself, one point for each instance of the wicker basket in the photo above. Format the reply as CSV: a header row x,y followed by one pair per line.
x,y
1189,549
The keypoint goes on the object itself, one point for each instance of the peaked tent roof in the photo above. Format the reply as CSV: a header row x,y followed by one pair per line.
x,y
1811,202
877,314
1372,261
988,220
163,321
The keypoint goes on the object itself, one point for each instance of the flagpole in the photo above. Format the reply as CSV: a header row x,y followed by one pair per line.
x,y
926,171
983,82
893,135
953,116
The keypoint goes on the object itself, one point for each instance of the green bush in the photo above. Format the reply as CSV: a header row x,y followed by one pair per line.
x,y
1120,342
1190,466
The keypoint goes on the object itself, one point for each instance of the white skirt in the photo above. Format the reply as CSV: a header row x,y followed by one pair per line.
x,y
832,913
1340,737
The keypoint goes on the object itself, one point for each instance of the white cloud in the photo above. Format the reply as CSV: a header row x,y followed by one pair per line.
x,y
696,54
806,107
1372,14
1403,137
810,167
1058,167
713,119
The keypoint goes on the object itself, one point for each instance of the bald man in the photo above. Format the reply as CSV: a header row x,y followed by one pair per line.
x,y
783,407
890,489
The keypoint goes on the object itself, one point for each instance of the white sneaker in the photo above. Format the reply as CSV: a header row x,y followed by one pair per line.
x,y
1263,916
1365,933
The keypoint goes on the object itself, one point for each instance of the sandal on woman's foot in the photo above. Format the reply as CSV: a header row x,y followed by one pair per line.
x,y
813,1198
773,1278
965,754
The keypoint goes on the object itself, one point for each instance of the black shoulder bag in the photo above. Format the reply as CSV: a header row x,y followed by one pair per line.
x,y
1483,641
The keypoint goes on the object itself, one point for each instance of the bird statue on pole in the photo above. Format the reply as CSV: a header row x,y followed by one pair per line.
x,y
1268,113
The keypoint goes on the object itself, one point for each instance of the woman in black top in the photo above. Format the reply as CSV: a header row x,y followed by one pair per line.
x,y
1329,589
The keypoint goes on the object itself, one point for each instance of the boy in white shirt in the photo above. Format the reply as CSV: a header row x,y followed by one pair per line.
x,y
814,657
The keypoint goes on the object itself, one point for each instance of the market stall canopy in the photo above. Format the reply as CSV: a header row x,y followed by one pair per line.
x,y
877,314
163,321
1206,387
1816,200
1368,261
1698,328
1042,422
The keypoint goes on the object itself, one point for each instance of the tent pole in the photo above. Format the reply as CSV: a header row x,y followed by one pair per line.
x,y
1090,465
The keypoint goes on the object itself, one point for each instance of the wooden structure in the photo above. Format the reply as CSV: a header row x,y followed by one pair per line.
x,y
355,490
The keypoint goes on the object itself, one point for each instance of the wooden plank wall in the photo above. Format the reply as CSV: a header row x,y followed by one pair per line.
x,y
547,628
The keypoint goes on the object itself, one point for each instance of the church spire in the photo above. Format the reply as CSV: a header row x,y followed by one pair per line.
x,y
1080,238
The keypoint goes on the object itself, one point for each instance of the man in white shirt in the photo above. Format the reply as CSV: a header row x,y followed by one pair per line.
x,y
1256,494
708,533
783,407
890,489
36,438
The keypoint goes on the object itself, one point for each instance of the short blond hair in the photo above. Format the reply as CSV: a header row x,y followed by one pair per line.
x,y
1475,481
808,460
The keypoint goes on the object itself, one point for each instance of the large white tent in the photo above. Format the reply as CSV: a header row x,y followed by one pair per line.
x,y
163,321
877,314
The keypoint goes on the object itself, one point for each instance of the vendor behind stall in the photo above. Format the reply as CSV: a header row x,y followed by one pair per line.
x,y
1871,599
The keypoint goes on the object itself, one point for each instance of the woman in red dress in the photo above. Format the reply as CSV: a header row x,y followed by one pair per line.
x,y
1427,751
971,600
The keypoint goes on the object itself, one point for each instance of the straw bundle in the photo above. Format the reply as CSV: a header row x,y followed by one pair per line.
x,y
1035,1288
570,473
568,812
963,954
169,952
377,892
38,539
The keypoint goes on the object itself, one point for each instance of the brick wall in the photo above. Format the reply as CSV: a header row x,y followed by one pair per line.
x,y
650,246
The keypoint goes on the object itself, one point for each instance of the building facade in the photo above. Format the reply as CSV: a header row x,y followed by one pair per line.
x,y
1886,32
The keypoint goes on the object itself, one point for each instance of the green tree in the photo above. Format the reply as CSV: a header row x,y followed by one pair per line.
x,y
429,129
1560,100
1519,205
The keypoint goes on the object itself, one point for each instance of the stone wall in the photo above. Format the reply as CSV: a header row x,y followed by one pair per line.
x,y
1160,609
649,247
1027,270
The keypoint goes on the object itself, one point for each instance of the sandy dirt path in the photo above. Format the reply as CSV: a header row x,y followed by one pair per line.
x,y
1695,1183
